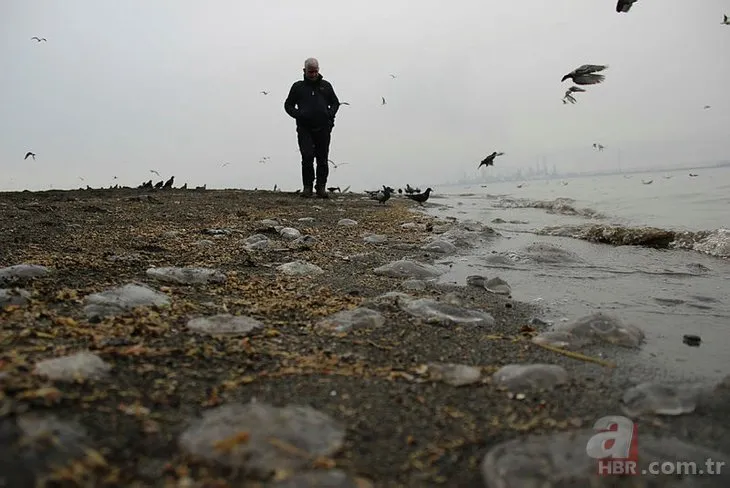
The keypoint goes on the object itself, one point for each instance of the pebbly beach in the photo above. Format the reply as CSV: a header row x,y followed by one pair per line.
x,y
217,338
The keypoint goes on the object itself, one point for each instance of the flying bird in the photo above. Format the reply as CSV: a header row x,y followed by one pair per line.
x,y
29,154
383,102
489,160
344,103
600,147
586,74
624,5
706,107
38,39
335,165
725,20
224,165
393,76
264,92
155,172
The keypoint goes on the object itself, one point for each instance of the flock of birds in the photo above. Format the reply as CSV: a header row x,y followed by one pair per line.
x,y
586,74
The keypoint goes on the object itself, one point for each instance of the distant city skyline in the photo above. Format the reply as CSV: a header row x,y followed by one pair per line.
x,y
540,172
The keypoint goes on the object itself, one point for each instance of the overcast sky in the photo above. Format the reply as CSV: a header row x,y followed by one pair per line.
x,y
121,88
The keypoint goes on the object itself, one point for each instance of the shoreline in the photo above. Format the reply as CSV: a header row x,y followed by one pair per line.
x,y
403,424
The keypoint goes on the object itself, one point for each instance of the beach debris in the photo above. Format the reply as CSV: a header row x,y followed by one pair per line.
x,y
21,273
661,399
376,239
454,374
82,365
560,460
116,301
691,340
256,242
523,377
263,439
225,325
405,268
357,318
439,246
289,233
299,267
593,328
186,275
442,313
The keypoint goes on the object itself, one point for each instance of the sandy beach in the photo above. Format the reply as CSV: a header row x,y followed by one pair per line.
x,y
403,424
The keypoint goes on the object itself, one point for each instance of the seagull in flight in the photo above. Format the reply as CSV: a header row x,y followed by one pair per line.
x,y
29,154
264,92
489,160
393,76
600,147
586,74
383,102
725,20
624,5
224,165
335,165
344,103
706,107
155,172
38,39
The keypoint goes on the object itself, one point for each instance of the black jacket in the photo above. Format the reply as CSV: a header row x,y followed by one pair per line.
x,y
316,103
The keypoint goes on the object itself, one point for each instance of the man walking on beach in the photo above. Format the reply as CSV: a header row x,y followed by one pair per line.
x,y
316,106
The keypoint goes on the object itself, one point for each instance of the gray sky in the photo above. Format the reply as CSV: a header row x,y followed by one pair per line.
x,y
173,85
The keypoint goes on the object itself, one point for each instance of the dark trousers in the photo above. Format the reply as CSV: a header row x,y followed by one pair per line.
x,y
314,144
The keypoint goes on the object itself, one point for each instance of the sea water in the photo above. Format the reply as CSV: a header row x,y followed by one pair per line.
x,y
681,288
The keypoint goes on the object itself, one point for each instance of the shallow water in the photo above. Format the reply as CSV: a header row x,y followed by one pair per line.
x,y
666,292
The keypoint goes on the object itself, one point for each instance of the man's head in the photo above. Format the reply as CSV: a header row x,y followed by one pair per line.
x,y
311,68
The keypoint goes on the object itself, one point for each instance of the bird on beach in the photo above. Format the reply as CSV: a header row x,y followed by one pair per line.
x,y
420,197
383,195
29,154
624,5
725,20
489,160
586,74
38,39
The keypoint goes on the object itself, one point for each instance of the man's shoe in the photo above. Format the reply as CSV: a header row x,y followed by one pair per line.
x,y
322,193
307,192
